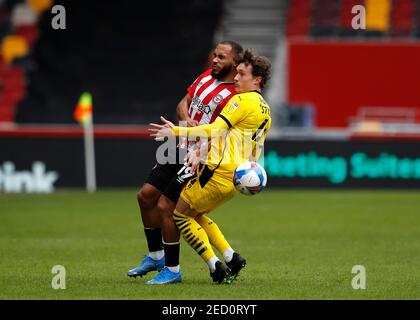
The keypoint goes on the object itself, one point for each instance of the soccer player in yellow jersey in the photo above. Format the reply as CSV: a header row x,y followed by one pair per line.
x,y
237,135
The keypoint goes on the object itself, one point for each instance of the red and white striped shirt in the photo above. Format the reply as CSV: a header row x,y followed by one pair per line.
x,y
209,96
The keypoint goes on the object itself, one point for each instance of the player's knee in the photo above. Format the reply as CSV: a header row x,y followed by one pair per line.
x,y
166,207
147,197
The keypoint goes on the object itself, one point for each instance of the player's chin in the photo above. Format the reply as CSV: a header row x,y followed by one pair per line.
x,y
215,73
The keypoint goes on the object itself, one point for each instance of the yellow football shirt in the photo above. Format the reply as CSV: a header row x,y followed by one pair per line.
x,y
238,133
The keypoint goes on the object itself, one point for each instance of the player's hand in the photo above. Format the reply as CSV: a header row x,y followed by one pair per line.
x,y
194,161
191,122
161,131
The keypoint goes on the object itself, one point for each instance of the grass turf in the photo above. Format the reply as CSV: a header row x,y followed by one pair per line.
x,y
299,245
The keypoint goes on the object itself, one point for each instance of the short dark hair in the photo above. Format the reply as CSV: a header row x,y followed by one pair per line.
x,y
261,65
236,49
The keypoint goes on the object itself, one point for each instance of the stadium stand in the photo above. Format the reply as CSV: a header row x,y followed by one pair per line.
x,y
402,18
416,18
18,33
331,18
130,68
255,24
143,64
377,17
325,18
316,27
297,20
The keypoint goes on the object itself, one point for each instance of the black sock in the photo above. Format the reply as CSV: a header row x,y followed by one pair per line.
x,y
171,254
154,239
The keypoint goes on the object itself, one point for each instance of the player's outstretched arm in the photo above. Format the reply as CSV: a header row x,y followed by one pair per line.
x,y
168,129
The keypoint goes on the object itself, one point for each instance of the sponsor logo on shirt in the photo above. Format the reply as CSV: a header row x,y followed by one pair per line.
x,y
217,99
231,107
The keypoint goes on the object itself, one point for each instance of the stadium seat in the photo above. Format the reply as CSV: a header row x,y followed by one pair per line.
x,y
298,20
378,15
12,91
402,18
14,46
29,32
324,17
40,6
13,75
7,106
5,26
416,19
103,48
23,14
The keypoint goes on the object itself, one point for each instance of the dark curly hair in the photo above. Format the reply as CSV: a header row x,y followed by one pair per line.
x,y
261,65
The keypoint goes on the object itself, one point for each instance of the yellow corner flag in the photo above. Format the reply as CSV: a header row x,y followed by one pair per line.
x,y
83,112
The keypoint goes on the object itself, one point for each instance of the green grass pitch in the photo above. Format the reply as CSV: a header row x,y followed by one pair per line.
x,y
299,245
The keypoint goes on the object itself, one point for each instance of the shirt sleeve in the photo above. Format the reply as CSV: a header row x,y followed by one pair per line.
x,y
234,111
206,130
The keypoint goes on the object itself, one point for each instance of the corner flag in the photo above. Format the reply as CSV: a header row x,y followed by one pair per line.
x,y
83,114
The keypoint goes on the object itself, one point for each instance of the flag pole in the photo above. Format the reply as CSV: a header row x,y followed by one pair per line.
x,y
83,114
89,157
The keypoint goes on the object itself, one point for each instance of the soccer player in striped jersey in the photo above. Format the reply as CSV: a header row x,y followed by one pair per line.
x,y
243,125
157,198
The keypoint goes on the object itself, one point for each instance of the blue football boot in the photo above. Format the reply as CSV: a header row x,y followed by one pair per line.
x,y
166,276
146,265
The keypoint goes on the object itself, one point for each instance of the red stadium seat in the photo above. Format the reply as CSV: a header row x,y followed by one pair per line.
x,y
298,21
12,91
402,18
29,32
7,111
416,18
324,17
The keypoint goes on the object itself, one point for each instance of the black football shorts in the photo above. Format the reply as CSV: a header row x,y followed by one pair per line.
x,y
170,179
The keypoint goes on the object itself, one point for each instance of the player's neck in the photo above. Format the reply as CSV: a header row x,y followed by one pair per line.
x,y
254,89
229,77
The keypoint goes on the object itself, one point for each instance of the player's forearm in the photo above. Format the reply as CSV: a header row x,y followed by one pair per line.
x,y
199,131
206,130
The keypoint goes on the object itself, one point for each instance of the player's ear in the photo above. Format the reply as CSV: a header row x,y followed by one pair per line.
x,y
257,80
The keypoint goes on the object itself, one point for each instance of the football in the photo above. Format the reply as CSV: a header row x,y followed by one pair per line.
x,y
250,178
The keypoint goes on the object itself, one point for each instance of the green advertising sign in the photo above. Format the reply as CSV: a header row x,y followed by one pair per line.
x,y
337,169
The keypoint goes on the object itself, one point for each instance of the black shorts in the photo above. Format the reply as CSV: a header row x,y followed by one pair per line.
x,y
169,179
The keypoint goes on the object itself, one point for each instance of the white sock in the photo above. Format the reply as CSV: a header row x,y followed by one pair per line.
x,y
157,255
228,254
212,263
174,269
